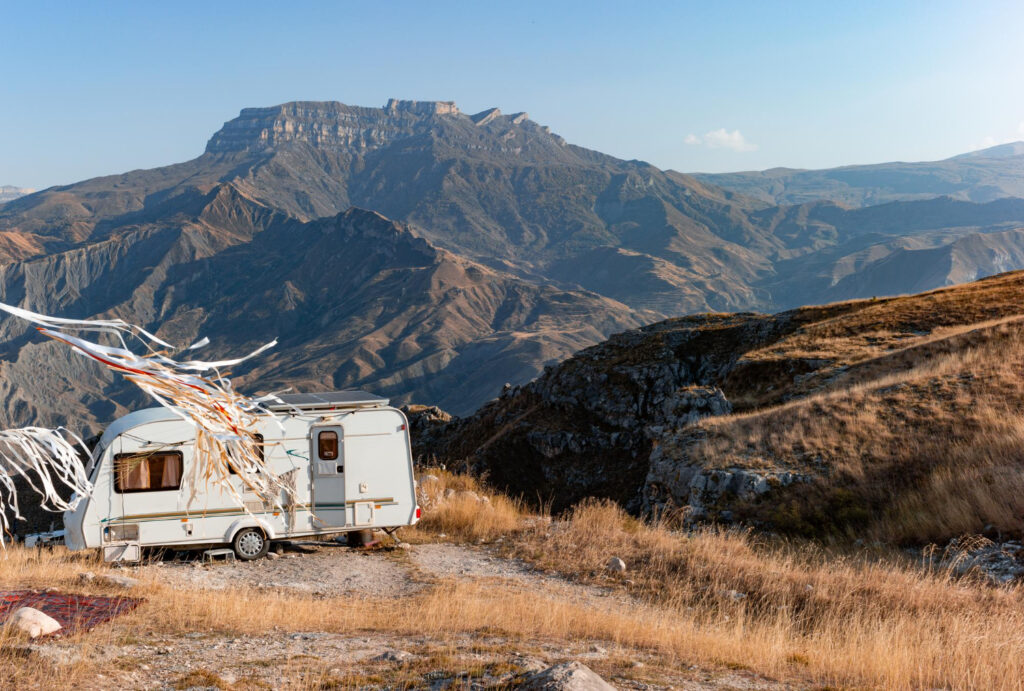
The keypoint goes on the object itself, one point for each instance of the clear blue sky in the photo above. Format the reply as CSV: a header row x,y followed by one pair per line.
x,y
95,88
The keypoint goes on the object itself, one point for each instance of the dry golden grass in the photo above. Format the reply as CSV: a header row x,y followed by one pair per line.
x,y
837,618
807,615
463,515
919,443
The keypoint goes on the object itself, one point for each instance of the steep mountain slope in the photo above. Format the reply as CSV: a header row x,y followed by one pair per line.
x,y
898,418
356,300
979,176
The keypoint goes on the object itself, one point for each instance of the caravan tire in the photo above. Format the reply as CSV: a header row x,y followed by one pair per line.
x,y
250,543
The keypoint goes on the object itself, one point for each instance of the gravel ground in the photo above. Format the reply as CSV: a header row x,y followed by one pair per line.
x,y
325,570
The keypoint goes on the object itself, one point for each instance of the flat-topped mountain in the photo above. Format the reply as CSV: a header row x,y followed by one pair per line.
x,y
538,247
977,176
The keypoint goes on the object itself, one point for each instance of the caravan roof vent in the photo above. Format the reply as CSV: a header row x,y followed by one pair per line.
x,y
328,400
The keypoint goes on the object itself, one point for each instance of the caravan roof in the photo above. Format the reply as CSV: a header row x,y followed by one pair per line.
x,y
328,400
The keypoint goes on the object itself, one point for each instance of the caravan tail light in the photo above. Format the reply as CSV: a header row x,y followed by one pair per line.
x,y
419,512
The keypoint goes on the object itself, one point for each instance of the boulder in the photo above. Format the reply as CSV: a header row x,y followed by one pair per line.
x,y
33,623
567,676
616,565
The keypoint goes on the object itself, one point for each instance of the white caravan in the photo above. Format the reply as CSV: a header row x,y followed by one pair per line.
x,y
346,455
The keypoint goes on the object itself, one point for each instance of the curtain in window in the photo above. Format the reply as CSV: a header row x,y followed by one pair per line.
x,y
134,472
172,472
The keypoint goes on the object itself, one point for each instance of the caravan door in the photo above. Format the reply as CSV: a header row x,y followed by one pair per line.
x,y
328,469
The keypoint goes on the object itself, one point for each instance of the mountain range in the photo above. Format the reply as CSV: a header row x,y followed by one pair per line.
x,y
978,176
433,255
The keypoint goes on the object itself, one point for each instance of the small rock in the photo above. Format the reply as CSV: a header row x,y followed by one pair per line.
x,y
616,565
33,623
393,656
404,545
87,576
273,555
568,676
119,581
529,664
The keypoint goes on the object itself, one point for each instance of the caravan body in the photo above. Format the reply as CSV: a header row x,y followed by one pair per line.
x,y
346,454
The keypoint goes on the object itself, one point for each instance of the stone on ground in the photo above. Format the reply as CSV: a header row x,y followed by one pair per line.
x,y
616,565
119,581
32,622
568,676
393,656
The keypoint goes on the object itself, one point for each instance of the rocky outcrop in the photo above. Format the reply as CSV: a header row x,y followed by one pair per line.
x,y
588,427
674,483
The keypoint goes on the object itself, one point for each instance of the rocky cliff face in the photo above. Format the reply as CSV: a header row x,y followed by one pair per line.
x,y
592,425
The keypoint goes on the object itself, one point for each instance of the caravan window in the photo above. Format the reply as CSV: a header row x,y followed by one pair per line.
x,y
258,440
152,472
327,446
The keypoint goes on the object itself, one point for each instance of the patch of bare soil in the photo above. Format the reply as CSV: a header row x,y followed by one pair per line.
x,y
323,569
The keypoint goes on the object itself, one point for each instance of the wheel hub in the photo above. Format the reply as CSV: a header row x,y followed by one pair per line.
x,y
250,544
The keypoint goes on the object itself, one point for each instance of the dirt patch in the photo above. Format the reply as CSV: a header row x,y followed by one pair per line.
x,y
325,570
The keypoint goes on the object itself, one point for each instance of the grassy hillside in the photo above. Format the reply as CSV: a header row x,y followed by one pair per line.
x,y
893,419
909,427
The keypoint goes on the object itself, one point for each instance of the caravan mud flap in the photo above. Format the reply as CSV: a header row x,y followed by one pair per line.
x,y
124,551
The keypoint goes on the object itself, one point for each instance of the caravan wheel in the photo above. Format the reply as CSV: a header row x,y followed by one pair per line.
x,y
250,543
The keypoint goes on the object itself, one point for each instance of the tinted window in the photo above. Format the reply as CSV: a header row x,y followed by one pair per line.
x,y
153,472
327,446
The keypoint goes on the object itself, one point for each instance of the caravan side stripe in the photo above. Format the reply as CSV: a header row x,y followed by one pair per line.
x,y
197,514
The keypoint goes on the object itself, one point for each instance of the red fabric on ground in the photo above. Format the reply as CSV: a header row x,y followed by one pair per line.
x,y
74,612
